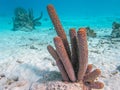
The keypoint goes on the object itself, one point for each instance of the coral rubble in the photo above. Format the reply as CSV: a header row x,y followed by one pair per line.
x,y
116,30
73,64
24,20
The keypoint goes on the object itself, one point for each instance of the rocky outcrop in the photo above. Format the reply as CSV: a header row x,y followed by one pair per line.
x,y
116,30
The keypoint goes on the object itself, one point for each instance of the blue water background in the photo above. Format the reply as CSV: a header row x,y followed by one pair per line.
x,y
64,7
90,10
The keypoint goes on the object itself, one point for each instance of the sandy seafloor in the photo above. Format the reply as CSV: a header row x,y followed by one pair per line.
x,y
23,55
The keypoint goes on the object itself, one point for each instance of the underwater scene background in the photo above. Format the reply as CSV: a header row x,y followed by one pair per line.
x,y
100,11
26,30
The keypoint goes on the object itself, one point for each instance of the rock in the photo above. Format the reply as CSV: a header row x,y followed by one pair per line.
x,y
38,86
116,30
20,62
9,81
2,75
90,32
53,63
114,72
56,85
3,81
20,85
59,85
33,47
13,77
118,68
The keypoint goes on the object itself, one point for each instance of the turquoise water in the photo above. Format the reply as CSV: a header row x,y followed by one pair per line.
x,y
97,14
74,8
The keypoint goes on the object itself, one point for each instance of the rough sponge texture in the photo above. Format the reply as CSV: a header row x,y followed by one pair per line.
x,y
58,27
92,76
64,58
58,62
83,53
74,49
75,63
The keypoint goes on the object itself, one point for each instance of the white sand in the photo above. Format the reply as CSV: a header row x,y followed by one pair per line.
x,y
23,55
